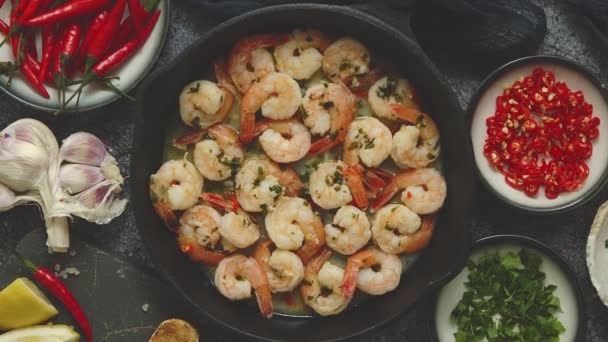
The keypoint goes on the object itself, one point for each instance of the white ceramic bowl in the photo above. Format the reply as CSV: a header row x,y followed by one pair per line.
x,y
93,96
558,272
483,106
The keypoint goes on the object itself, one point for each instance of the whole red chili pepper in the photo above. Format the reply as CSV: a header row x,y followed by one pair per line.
x,y
14,39
30,43
120,55
92,31
102,41
127,27
30,9
48,46
32,77
48,280
71,10
4,28
137,14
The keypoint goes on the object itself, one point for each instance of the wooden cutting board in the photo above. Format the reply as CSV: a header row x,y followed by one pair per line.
x,y
112,292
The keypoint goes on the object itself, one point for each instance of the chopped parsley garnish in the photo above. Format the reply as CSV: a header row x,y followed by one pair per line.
x,y
388,89
277,189
264,207
344,65
195,89
196,122
512,288
369,143
309,38
606,243
328,104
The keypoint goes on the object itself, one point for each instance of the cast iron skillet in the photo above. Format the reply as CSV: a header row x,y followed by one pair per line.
x,y
442,260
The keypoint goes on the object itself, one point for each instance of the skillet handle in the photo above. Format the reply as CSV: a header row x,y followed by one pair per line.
x,y
396,13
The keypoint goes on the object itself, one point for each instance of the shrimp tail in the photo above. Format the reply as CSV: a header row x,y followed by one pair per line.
x,y
188,138
291,181
355,262
408,114
259,282
264,298
202,254
422,237
312,243
220,202
354,180
167,215
384,196
322,145
222,77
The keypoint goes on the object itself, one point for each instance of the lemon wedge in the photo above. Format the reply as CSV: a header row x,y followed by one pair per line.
x,y
41,333
22,304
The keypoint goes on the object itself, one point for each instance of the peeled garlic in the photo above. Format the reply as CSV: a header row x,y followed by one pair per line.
x,y
83,148
31,170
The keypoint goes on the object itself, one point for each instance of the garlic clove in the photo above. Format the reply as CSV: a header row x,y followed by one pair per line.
x,y
83,148
23,163
75,178
96,195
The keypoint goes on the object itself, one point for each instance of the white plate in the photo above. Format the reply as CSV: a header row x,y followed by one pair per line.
x,y
449,296
486,106
93,96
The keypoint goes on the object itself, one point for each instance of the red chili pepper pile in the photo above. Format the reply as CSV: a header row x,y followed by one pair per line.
x,y
540,135
77,35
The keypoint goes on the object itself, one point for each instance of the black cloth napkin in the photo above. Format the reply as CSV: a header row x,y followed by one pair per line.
x,y
476,32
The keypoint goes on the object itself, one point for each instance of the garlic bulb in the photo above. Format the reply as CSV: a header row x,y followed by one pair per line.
x,y
80,179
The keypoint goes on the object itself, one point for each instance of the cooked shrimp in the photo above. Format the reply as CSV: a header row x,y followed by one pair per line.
x,y
204,103
424,190
277,95
198,234
217,157
349,231
249,61
329,102
239,229
388,91
418,145
284,141
236,275
397,229
284,269
369,141
293,225
175,186
324,103
327,186
300,57
372,271
204,221
344,59
257,185
321,288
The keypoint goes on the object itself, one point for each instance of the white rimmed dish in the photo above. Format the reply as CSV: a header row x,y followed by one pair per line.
x,y
483,106
558,272
94,96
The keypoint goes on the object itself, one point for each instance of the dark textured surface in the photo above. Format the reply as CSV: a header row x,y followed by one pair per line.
x,y
567,36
